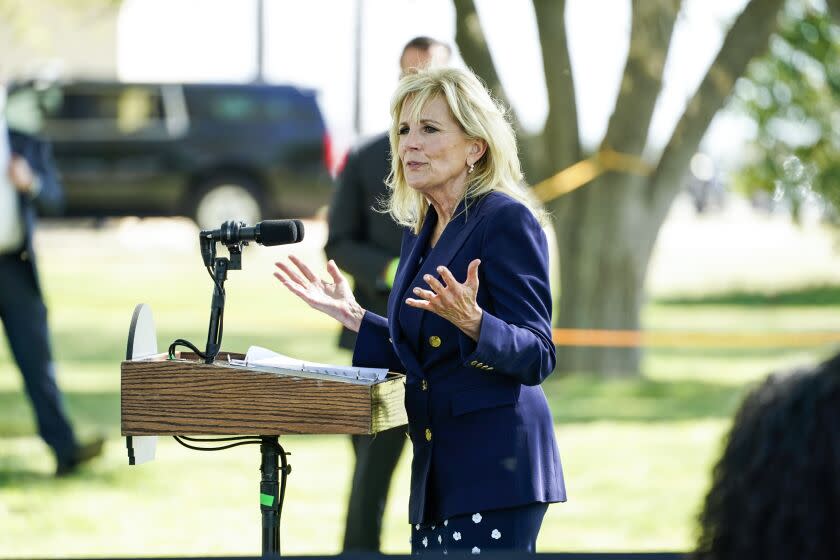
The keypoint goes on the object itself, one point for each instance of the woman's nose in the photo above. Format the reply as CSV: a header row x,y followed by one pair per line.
x,y
411,140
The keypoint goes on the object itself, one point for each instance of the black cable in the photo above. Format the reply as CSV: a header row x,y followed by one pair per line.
x,y
221,331
232,438
188,446
217,336
285,469
211,271
188,344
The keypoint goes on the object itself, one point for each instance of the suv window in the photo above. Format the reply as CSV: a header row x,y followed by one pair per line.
x,y
84,112
232,105
223,106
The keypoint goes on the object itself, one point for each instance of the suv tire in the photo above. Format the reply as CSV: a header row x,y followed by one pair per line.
x,y
227,198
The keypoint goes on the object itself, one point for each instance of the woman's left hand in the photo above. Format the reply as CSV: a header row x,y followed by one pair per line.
x,y
453,301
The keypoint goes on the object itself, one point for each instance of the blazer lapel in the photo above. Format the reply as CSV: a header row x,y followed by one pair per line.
x,y
454,236
456,233
407,272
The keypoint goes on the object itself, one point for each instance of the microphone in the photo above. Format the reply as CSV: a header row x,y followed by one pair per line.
x,y
267,232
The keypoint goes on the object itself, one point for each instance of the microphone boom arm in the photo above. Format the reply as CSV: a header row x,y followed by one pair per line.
x,y
219,267
217,311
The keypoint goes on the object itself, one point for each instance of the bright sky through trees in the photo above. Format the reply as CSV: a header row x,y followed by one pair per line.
x,y
312,44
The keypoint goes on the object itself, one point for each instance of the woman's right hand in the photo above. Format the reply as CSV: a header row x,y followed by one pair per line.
x,y
332,298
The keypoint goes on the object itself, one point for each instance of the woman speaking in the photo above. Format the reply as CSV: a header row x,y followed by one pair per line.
x,y
469,320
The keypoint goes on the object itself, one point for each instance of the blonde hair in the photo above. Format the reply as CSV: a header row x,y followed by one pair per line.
x,y
480,117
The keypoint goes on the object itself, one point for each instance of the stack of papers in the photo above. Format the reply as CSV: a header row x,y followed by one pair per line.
x,y
266,360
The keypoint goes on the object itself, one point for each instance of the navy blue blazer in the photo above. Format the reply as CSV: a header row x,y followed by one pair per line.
x,y
50,198
479,422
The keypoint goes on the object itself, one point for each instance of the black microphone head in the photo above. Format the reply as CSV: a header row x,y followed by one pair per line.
x,y
280,232
299,225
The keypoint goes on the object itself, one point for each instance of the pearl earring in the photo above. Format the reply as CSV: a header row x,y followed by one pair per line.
x,y
471,169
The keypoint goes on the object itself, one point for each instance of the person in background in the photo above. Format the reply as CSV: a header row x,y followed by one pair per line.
x,y
29,182
468,320
366,244
775,491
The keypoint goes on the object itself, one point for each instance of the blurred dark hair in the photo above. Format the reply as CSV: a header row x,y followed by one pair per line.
x,y
424,43
775,492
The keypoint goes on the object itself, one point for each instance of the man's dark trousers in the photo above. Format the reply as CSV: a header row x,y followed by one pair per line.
x,y
22,308
376,460
24,317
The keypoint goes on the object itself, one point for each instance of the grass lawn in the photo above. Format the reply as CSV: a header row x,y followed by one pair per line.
x,y
637,453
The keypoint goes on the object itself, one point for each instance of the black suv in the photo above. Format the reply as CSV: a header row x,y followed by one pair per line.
x,y
211,152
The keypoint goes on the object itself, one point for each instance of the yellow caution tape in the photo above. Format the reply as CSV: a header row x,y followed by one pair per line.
x,y
692,339
582,172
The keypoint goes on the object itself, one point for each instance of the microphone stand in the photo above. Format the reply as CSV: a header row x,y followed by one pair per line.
x,y
231,235
220,267
271,492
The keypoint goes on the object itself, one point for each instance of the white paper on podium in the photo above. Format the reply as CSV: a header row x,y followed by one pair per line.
x,y
264,359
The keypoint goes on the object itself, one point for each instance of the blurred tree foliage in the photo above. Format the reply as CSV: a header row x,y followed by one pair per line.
x,y
793,95
24,19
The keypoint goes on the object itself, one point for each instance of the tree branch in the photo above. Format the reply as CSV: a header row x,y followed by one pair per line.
x,y
650,37
561,137
473,46
747,38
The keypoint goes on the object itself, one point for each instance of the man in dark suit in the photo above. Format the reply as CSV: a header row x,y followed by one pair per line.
x,y
366,244
28,182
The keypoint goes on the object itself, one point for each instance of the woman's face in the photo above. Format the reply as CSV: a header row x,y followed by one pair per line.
x,y
433,150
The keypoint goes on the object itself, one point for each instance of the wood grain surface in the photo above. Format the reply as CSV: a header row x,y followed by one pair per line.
x,y
188,397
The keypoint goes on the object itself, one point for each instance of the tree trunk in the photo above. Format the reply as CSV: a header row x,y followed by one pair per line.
x,y
606,230
607,242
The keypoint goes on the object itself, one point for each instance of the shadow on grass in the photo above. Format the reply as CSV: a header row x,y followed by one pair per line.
x,y
581,399
18,476
21,472
90,412
808,296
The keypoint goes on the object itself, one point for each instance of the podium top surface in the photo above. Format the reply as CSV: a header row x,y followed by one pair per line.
x,y
185,396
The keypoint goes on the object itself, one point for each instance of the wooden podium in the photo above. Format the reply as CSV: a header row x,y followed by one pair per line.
x,y
186,397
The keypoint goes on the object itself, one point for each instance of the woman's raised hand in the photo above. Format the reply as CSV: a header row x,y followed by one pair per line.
x,y
332,298
452,300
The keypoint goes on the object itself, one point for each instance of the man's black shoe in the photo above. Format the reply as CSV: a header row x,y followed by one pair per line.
x,y
84,453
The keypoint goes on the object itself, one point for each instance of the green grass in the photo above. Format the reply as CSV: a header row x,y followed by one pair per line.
x,y
636,453
808,296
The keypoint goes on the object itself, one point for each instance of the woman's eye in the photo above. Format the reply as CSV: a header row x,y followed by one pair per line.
x,y
429,128
403,130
